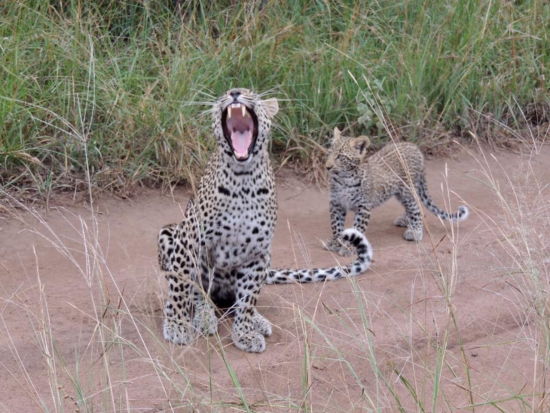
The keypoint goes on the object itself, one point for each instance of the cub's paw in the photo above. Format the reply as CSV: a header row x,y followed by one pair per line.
x,y
205,320
338,246
251,341
413,235
332,245
402,222
262,325
345,251
175,331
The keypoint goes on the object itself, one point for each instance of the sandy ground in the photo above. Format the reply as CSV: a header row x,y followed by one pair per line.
x,y
80,308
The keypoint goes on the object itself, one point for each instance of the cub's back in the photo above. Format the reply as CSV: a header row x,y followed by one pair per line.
x,y
394,162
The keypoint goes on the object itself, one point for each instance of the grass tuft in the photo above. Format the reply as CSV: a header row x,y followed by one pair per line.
x,y
124,86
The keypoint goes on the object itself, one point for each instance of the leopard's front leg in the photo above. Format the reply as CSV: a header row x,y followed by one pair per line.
x,y
250,327
204,319
177,325
187,310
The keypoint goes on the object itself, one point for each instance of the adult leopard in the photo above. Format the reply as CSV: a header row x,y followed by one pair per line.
x,y
220,253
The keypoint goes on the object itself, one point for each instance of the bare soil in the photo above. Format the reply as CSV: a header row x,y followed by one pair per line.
x,y
100,319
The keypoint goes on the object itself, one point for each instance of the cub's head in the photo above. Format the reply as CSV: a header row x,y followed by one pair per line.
x,y
241,123
346,153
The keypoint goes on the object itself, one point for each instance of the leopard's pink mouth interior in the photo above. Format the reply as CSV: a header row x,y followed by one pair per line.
x,y
239,125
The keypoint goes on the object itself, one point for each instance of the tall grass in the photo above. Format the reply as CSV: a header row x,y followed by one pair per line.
x,y
134,78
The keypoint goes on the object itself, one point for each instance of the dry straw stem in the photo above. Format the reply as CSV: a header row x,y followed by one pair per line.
x,y
400,377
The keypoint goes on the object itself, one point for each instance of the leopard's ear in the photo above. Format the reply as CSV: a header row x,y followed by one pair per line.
x,y
271,107
361,144
337,133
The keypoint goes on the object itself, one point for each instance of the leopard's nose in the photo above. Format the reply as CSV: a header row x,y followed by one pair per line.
x,y
234,94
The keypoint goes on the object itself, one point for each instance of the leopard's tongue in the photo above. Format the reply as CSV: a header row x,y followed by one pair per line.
x,y
241,142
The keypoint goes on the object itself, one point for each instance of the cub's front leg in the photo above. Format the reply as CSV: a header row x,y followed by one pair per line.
x,y
362,218
337,221
360,223
250,327
338,218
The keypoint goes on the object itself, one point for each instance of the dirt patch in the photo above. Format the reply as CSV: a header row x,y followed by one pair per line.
x,y
81,299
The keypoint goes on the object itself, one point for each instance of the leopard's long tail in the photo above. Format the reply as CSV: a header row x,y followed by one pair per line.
x,y
422,189
350,236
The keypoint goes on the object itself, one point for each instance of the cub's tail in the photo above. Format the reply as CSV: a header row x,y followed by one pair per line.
x,y
351,237
422,189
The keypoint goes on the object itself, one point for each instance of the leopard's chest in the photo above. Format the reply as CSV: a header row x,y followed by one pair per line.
x,y
241,225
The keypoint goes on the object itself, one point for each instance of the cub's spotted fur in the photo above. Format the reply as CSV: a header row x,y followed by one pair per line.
x,y
360,184
220,253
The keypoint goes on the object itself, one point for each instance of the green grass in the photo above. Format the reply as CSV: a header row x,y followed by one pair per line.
x,y
120,86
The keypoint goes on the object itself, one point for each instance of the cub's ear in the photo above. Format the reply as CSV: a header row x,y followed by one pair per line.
x,y
337,133
271,107
361,144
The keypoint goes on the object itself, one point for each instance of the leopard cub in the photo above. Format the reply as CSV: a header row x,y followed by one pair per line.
x,y
359,183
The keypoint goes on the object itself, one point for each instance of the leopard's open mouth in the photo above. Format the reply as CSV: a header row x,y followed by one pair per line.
x,y
240,128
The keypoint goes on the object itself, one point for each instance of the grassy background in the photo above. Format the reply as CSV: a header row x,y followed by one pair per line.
x,y
118,88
